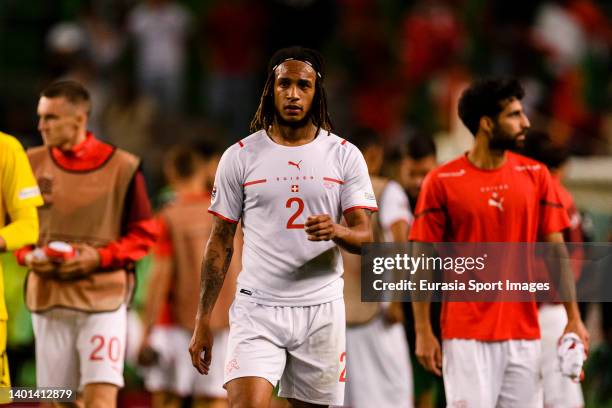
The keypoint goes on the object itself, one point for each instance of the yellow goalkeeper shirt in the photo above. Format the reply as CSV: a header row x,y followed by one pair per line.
x,y
20,197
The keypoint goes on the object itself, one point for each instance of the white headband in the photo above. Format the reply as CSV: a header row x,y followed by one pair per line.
x,y
295,59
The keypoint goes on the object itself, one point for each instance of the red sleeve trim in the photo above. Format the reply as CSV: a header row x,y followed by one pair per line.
x,y
333,180
343,142
216,214
240,144
250,183
429,210
363,207
551,204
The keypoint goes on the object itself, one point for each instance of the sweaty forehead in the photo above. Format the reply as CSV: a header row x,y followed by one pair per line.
x,y
295,69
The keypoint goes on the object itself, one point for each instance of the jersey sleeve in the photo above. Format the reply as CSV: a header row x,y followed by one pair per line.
x,y
19,188
393,206
20,195
139,230
356,190
553,215
430,214
228,194
163,247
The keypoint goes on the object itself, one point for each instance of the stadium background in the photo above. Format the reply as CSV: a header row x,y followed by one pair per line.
x,y
395,66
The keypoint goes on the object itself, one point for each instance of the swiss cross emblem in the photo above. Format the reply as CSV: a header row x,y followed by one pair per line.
x,y
295,188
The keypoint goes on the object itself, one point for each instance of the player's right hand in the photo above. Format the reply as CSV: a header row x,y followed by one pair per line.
x,y
428,352
200,346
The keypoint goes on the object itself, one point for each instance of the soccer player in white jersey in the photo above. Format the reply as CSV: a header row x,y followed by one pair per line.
x,y
289,183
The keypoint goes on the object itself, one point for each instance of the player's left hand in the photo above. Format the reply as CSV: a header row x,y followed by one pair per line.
x,y
577,326
320,228
86,261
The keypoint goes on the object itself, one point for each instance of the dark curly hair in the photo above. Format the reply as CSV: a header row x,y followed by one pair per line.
x,y
484,97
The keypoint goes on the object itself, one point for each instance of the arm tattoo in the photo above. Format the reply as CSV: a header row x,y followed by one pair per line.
x,y
216,261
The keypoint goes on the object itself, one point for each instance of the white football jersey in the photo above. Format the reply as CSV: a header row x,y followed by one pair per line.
x,y
273,189
393,206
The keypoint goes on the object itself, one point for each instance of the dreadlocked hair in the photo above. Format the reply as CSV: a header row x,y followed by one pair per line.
x,y
264,117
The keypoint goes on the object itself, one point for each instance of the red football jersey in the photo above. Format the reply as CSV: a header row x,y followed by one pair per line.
x,y
516,202
574,233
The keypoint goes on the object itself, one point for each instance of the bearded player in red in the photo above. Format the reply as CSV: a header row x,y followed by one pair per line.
x,y
490,351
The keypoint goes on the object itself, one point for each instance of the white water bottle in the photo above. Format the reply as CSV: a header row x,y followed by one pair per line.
x,y
571,356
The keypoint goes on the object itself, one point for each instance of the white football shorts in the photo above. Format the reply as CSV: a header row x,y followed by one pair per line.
x,y
75,348
479,374
302,346
378,366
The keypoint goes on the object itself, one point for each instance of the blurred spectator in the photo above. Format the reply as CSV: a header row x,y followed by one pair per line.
x,y
432,40
378,101
232,42
83,51
104,44
420,159
559,35
68,59
446,87
379,104
66,42
431,35
128,122
160,29
575,38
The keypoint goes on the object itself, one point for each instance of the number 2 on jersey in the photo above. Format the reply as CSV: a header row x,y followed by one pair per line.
x,y
300,209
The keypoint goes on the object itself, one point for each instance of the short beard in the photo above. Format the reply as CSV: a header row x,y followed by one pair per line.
x,y
501,141
305,121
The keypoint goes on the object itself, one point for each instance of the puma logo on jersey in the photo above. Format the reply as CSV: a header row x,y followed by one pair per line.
x,y
496,201
295,164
